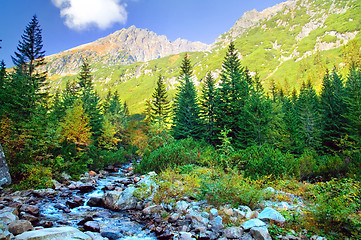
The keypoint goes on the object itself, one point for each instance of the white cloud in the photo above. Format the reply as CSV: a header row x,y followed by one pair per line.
x,y
81,14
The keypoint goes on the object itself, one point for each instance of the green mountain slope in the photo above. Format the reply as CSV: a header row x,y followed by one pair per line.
x,y
289,43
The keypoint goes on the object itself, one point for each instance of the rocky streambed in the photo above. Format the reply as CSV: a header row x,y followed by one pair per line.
x,y
107,206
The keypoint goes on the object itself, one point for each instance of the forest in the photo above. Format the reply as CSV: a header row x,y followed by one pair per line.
x,y
225,142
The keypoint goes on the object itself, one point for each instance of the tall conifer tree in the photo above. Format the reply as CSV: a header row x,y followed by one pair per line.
x,y
160,106
186,120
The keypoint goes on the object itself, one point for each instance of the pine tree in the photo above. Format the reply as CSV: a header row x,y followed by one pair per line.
x,y
3,95
332,109
160,106
353,113
207,102
28,85
90,99
307,107
231,97
186,119
264,117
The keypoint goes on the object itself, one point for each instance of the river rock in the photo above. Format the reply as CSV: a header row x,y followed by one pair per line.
x,y
92,226
253,223
58,233
260,233
95,202
8,215
86,219
31,209
19,226
185,236
181,206
124,200
5,178
233,232
6,235
270,214
26,216
217,223
75,202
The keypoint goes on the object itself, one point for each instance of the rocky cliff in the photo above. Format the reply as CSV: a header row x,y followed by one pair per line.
x,y
123,47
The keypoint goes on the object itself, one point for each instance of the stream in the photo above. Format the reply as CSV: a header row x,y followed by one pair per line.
x,y
113,225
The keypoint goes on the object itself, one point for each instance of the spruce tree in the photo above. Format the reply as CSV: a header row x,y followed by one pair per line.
x,y
332,109
353,113
160,106
309,130
207,105
186,119
32,82
90,99
3,95
232,94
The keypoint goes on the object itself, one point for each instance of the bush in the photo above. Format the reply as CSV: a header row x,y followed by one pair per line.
x,y
266,160
229,188
178,153
101,158
337,206
34,177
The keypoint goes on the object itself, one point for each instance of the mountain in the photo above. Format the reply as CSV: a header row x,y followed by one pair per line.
x,y
123,47
287,44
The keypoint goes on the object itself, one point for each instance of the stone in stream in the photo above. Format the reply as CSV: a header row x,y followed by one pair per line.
x,y
86,219
58,233
75,202
31,209
19,226
5,178
95,202
62,207
124,200
111,235
26,216
92,226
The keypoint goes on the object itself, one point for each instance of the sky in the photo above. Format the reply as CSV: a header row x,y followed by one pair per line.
x,y
69,23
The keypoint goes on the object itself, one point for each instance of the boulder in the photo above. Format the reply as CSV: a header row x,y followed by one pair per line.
x,y
260,233
253,223
217,223
19,226
75,202
181,206
269,214
58,233
116,200
92,226
5,178
95,202
31,209
8,216
233,232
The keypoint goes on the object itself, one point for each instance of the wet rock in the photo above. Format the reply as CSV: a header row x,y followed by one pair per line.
x,y
111,235
86,219
120,200
31,218
62,207
260,233
8,216
270,214
166,235
109,187
75,202
6,235
19,226
31,209
64,233
95,202
185,236
253,223
42,193
103,214
233,232
46,224
92,226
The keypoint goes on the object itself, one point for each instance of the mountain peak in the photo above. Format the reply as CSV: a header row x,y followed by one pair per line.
x,y
123,47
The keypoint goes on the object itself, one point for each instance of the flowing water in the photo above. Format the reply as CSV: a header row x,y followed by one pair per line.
x,y
115,225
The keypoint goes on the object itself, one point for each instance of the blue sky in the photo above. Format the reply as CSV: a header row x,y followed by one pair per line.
x,y
70,23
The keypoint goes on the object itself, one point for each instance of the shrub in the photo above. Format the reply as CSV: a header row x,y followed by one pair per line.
x,y
337,205
34,177
266,160
178,153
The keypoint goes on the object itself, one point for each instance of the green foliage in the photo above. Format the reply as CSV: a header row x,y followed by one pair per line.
x,y
268,161
336,208
178,153
232,188
186,119
159,104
